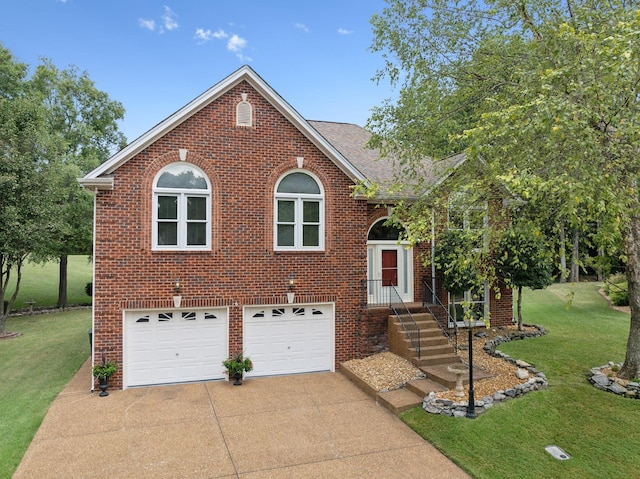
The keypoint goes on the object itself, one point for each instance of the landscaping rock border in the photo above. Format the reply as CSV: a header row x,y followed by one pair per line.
x,y
539,381
621,387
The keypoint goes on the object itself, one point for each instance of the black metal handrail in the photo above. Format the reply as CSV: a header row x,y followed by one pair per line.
x,y
405,317
434,300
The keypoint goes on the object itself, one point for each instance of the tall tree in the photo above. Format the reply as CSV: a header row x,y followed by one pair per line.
x,y
28,217
541,95
84,119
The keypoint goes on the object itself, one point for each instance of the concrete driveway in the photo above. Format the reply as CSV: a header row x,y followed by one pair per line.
x,y
312,425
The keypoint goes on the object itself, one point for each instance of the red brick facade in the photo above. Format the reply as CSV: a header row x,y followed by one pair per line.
x,y
242,268
243,165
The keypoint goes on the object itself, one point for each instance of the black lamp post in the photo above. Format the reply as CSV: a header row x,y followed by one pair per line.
x,y
471,407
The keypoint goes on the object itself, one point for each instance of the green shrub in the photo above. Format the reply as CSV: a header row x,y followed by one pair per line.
x,y
620,297
612,281
617,289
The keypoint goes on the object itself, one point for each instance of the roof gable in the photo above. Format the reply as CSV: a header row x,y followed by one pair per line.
x,y
96,178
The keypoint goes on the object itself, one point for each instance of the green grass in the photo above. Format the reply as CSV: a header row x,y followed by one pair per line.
x,y
40,284
600,431
35,368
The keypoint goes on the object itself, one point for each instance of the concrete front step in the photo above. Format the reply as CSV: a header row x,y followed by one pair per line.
x,y
399,400
417,317
431,350
430,342
427,329
422,387
436,359
440,373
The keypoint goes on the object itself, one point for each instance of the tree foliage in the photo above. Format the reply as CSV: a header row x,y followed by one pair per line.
x,y
28,217
54,127
542,96
523,260
461,271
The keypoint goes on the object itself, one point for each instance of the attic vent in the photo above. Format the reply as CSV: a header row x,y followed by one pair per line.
x,y
244,113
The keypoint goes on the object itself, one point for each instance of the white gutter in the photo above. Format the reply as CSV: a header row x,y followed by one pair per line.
x,y
95,184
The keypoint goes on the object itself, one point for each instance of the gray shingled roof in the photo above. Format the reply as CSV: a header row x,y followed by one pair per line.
x,y
351,140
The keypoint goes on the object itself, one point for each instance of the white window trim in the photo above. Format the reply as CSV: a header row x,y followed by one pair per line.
x,y
299,199
182,195
466,212
467,297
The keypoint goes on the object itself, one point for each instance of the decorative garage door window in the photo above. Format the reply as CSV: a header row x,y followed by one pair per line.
x,y
163,347
289,339
181,208
278,312
299,213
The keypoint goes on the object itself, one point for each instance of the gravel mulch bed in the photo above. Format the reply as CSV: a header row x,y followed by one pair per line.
x,y
387,371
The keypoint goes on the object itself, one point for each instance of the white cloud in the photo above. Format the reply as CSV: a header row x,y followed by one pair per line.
x,y
168,22
344,31
205,35
221,34
236,44
301,26
169,19
147,24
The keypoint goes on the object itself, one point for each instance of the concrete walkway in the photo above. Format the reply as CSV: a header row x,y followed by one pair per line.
x,y
312,425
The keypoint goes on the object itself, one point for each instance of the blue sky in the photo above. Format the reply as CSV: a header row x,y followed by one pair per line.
x,y
155,56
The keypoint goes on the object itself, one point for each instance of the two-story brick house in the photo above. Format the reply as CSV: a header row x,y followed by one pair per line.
x,y
231,225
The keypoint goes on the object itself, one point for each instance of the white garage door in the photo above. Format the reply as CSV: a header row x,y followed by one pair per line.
x,y
289,339
164,347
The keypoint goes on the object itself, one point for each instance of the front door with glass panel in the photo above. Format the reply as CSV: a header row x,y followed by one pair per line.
x,y
389,265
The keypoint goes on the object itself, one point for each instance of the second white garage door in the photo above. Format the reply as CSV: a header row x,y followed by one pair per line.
x,y
286,339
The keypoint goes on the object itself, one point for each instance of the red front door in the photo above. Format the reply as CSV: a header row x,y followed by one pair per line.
x,y
389,267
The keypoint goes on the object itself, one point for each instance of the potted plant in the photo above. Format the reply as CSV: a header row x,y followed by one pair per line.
x,y
236,366
102,372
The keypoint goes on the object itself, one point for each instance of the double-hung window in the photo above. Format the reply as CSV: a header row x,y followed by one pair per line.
x,y
299,213
463,214
471,216
182,209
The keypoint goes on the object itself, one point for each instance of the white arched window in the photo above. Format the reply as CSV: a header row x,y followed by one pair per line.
x,y
299,212
181,208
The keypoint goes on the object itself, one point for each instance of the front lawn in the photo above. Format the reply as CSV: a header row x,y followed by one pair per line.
x,y
40,283
600,431
35,367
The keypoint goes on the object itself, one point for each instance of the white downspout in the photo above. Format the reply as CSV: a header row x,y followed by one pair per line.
x,y
93,291
433,245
